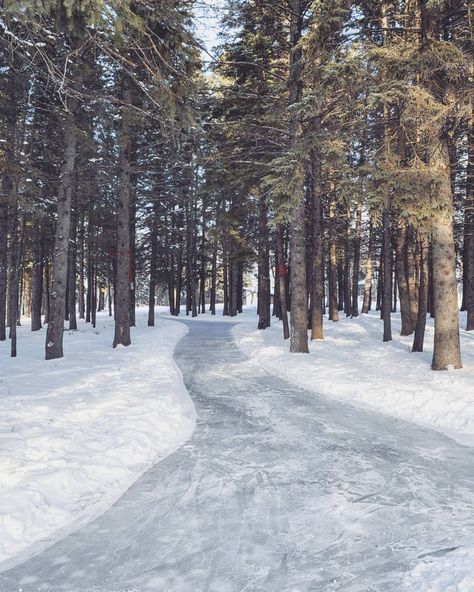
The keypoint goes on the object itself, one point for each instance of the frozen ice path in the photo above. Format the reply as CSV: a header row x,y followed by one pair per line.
x,y
278,490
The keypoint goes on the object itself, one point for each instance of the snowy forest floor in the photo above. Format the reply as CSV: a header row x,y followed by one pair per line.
x,y
380,502
278,490
75,433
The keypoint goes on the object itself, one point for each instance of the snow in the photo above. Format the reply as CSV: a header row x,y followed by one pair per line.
x,y
352,365
75,433
454,572
278,489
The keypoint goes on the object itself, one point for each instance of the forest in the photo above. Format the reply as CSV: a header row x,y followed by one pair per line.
x,y
324,146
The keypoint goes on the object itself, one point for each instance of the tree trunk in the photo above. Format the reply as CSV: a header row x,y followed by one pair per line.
x,y
153,266
369,271
46,290
317,284
234,272
469,210
72,267
387,275
356,268
36,279
263,266
54,335
418,340
240,287
203,271
347,266
122,290
179,283
281,271
332,267
447,347
82,308
132,217
225,274
214,279
16,234
402,283
191,284
412,271
299,297
3,266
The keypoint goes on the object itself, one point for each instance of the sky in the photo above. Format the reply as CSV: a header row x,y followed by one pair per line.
x,y
207,22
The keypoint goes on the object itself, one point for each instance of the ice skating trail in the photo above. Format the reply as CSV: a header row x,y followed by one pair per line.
x,y
278,490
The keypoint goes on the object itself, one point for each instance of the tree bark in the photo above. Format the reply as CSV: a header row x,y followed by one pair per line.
x,y
54,335
72,267
281,270
225,274
369,271
402,283
37,279
213,298
356,268
122,289
332,267
418,340
469,210
3,266
447,347
387,275
153,266
347,265
299,297
133,224
264,315
234,272
317,284
16,234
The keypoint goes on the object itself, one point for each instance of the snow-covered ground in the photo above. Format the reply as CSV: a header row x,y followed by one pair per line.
x,y
353,365
75,433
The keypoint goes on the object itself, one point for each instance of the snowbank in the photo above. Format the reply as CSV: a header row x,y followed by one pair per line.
x,y
451,573
75,433
354,366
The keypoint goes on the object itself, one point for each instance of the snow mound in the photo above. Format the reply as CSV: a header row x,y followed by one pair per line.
x,y
454,572
75,433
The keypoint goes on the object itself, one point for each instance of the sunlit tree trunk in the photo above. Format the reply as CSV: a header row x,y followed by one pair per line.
x,y
317,284
447,347
299,296
369,271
